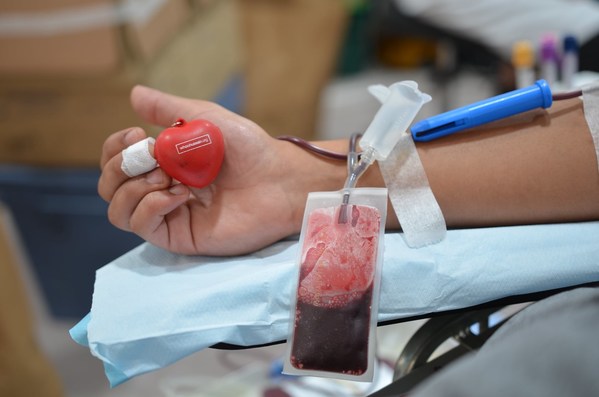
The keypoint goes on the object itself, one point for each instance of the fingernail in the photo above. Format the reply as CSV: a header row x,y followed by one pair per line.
x,y
178,189
154,177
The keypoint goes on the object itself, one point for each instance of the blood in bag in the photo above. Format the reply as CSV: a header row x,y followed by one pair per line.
x,y
334,297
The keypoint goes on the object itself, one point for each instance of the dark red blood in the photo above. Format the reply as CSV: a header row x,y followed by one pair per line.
x,y
332,317
332,340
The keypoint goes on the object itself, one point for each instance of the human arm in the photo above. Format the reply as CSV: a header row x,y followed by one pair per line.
x,y
538,167
539,170
256,200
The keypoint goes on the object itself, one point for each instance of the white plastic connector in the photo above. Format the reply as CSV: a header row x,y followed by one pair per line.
x,y
401,102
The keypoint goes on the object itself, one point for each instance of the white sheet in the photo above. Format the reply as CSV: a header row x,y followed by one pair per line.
x,y
151,307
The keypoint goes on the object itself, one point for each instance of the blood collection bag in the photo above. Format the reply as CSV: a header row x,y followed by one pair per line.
x,y
335,299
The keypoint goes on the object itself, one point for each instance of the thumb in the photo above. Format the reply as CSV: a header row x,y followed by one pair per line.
x,y
162,109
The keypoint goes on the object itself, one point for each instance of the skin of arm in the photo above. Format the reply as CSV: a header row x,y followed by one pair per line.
x,y
537,167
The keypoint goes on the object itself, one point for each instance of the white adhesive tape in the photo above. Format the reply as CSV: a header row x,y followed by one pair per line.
x,y
590,100
137,158
413,201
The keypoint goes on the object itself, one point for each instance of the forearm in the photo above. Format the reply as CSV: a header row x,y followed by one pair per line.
x,y
524,170
539,167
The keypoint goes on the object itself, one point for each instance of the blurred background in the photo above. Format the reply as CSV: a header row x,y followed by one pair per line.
x,y
297,67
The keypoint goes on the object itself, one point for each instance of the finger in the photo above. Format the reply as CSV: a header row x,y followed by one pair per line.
x,y
111,178
118,141
159,108
113,175
130,193
150,213
139,158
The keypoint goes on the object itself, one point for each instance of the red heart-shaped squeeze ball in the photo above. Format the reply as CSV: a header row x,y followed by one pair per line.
x,y
191,152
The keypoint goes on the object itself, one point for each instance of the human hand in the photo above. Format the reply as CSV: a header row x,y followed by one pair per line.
x,y
257,198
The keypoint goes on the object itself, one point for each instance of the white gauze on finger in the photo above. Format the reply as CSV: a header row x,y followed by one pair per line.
x,y
137,159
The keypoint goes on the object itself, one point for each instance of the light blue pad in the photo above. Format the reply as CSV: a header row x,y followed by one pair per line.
x,y
151,308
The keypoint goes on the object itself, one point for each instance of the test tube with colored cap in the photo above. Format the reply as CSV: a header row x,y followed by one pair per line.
x,y
569,61
498,107
549,59
523,62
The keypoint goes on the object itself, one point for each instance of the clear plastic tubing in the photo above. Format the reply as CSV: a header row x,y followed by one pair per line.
x,y
401,102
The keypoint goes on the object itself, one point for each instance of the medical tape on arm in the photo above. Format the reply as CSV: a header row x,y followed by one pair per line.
x,y
413,201
590,100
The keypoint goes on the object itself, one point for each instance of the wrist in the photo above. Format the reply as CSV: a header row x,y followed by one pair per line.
x,y
303,171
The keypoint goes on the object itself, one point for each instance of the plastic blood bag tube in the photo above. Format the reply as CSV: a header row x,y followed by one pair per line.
x,y
334,314
335,291
401,102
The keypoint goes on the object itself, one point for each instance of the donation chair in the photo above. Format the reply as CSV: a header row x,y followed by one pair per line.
x,y
466,329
